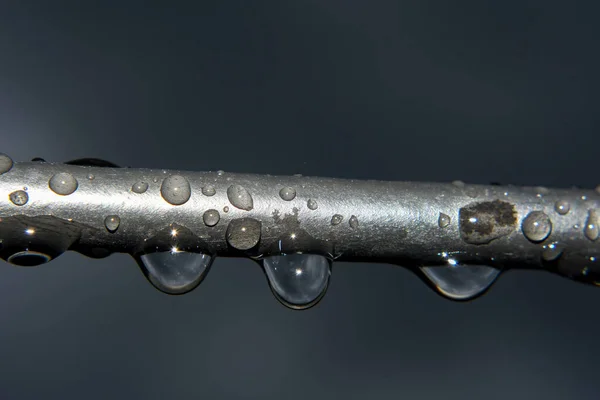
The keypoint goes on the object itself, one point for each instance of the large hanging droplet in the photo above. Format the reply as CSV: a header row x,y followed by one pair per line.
x,y
298,281
175,272
461,282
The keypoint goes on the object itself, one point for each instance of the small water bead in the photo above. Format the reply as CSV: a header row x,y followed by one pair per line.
x,y
353,222
211,217
226,209
298,281
443,220
155,180
176,190
240,198
91,177
287,193
220,172
312,204
6,163
562,207
208,190
536,226
551,252
112,223
19,197
461,282
459,184
592,228
175,272
336,219
243,233
63,183
139,187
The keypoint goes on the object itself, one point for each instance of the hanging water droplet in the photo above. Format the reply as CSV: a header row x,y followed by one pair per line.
x,y
175,272
176,190
19,197
287,193
562,207
139,187
461,282
239,197
63,183
551,252
243,233
312,204
208,190
536,226
353,221
6,163
443,220
211,217
336,219
112,223
298,281
592,228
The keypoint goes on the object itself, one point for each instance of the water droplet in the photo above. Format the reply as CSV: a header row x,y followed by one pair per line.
x,y
551,252
220,172
239,197
139,187
63,183
19,197
176,190
298,281
562,207
443,220
155,180
175,272
353,221
536,226
287,193
226,209
459,184
576,226
592,230
211,217
541,190
29,258
336,219
112,223
461,282
91,177
243,233
584,198
312,204
6,163
209,190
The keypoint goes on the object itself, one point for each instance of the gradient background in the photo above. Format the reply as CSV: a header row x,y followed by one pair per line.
x,y
480,91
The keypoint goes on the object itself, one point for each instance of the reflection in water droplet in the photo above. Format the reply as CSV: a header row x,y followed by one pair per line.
x,y
176,190
19,197
208,190
239,197
63,183
353,221
592,228
298,281
28,258
336,219
461,282
562,207
175,272
551,252
6,163
139,187
243,233
112,223
211,217
536,226
312,204
443,220
287,193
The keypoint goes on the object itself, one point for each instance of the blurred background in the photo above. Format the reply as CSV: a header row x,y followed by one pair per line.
x,y
482,91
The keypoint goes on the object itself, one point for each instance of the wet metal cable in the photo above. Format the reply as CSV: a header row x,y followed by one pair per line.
x,y
457,237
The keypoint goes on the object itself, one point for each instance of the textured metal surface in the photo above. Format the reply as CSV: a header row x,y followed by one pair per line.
x,y
405,223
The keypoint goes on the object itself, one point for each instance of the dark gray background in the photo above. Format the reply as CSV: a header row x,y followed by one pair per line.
x,y
480,91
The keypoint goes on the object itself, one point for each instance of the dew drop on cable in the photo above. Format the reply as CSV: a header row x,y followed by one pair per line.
x,y
298,280
592,228
312,204
551,252
536,226
176,190
211,217
336,219
139,187
6,163
112,223
443,220
562,207
63,183
243,233
287,193
208,190
240,198
461,282
175,272
353,222
19,197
